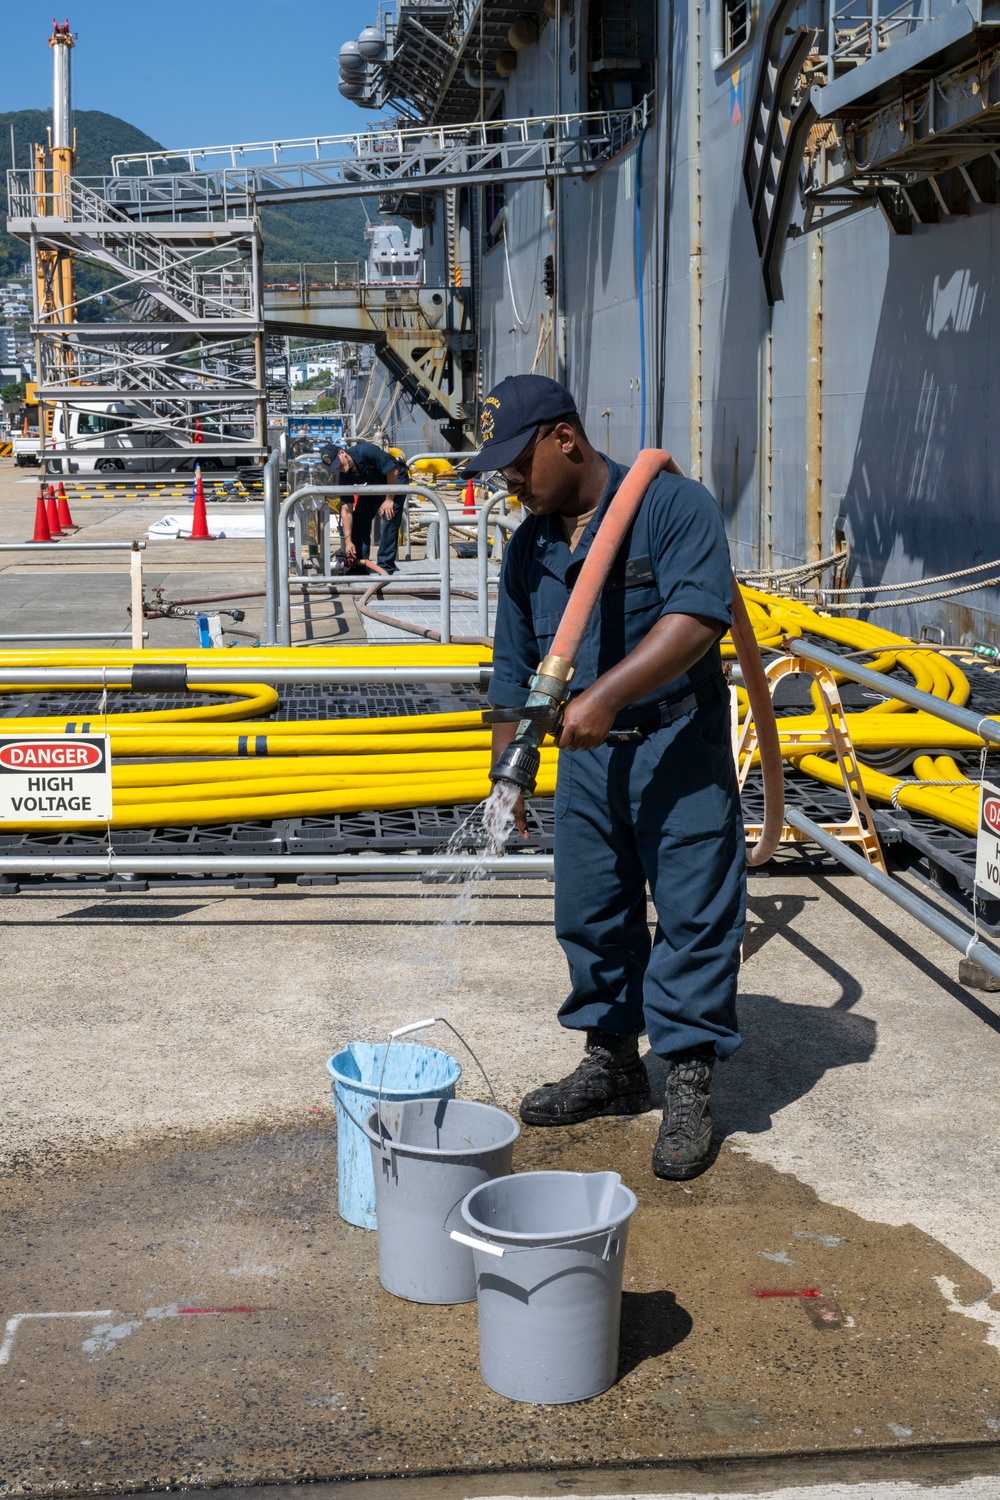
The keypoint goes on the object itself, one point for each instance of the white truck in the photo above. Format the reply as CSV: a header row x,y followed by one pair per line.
x,y
26,447
102,438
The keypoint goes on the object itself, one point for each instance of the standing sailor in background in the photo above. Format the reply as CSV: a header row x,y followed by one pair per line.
x,y
363,463
646,790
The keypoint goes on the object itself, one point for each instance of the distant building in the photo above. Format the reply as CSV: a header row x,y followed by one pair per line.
x,y
309,369
9,349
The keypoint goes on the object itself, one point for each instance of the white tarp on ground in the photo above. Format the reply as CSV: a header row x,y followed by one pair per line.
x,y
171,527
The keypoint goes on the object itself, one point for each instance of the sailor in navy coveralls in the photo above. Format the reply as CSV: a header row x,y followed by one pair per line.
x,y
656,807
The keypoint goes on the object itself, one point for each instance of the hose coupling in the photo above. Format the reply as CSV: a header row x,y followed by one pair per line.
x,y
552,679
517,763
558,667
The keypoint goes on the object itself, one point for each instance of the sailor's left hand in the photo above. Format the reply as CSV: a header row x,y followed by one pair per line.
x,y
386,509
587,721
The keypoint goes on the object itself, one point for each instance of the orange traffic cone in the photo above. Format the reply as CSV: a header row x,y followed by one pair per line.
x,y
469,508
42,532
62,510
199,520
52,514
198,436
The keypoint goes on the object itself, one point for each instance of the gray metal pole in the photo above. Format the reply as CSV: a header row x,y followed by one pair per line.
x,y
62,95
71,635
272,505
986,728
389,865
482,558
341,492
483,566
72,546
264,672
959,937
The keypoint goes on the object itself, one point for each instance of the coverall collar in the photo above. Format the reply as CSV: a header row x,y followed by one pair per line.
x,y
553,548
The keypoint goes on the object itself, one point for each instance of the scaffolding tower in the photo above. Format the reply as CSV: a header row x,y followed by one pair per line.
x,y
176,374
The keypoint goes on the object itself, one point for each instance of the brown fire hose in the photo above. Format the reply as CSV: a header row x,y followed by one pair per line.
x,y
554,673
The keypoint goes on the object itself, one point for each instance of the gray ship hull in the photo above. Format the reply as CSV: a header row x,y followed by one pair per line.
x,y
863,402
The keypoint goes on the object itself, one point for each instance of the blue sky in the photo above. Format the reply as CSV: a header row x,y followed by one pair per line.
x,y
192,74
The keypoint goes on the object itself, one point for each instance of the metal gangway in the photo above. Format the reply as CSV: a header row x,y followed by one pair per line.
x,y
382,159
128,223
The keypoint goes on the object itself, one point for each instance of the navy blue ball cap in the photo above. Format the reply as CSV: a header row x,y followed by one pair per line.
x,y
512,412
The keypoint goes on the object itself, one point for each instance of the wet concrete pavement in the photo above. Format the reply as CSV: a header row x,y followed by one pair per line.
x,y
170,1173
236,1327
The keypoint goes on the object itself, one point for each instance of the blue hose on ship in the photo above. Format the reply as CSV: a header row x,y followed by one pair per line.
x,y
638,272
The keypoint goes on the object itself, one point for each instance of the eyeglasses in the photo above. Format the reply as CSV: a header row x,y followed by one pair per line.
x,y
517,472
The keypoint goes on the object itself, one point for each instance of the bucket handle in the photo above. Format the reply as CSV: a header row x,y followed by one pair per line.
x,y
405,1031
499,1250
343,1104
473,1244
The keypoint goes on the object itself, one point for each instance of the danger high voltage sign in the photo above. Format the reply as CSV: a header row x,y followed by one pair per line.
x,y
54,777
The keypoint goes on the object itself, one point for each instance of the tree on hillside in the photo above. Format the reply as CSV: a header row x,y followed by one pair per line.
x,y
300,232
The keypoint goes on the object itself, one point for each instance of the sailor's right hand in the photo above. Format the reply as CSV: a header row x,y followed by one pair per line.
x,y
351,553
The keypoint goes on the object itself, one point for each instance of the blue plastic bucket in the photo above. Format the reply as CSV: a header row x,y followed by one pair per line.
x,y
412,1071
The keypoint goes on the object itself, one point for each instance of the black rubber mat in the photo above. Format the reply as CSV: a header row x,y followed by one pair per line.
x,y
228,838
409,830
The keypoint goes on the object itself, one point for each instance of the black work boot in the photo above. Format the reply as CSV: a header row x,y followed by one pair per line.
x,y
684,1145
611,1080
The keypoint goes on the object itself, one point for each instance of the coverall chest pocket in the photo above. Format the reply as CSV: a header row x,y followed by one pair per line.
x,y
627,616
630,601
546,624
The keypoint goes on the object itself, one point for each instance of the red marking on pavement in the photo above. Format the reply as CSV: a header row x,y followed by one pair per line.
x,y
804,1291
193,1310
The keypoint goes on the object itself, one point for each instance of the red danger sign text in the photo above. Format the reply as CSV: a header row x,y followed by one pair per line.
x,y
991,813
38,756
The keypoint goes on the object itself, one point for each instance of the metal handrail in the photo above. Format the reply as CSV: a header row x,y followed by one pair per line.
x,y
985,727
135,550
263,670
959,937
510,865
437,157
272,511
389,137
482,559
72,546
347,492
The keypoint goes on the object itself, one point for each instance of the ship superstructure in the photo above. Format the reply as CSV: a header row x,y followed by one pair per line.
x,y
785,277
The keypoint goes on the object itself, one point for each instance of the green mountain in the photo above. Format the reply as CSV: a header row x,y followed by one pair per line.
x,y
302,231
315,231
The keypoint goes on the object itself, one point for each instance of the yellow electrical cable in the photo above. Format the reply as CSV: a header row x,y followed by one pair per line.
x,y
210,791
166,742
404,725
270,768
255,698
153,814
175,773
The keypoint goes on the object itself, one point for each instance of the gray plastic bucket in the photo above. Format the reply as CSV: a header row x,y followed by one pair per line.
x,y
431,1154
405,1072
549,1252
